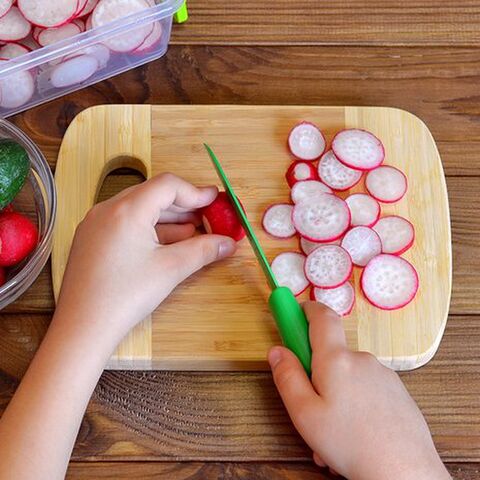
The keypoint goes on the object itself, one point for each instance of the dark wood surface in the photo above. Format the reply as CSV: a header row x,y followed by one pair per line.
x,y
418,55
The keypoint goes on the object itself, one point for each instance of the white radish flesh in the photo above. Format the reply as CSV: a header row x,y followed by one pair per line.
x,y
152,40
389,282
13,50
49,36
13,26
386,184
288,268
396,233
99,51
328,266
16,89
5,6
324,218
340,299
365,209
335,174
358,149
306,141
74,71
362,243
48,13
277,221
89,7
308,189
308,247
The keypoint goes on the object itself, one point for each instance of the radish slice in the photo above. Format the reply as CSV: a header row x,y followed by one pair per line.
x,y
340,299
386,184
152,40
16,89
13,50
99,51
80,24
5,6
365,210
307,189
89,7
48,13
277,221
110,10
88,23
74,71
396,233
13,26
362,243
299,171
358,149
389,282
335,174
322,219
306,141
308,247
81,4
288,268
328,266
48,36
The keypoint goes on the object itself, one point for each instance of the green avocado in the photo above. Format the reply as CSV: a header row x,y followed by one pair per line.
x,y
14,168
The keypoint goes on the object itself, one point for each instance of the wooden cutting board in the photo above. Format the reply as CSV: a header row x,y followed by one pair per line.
x,y
218,319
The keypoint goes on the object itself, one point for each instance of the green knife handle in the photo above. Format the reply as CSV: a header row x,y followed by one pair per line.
x,y
292,324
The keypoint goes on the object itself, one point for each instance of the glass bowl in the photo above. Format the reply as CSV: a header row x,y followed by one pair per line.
x,y
38,201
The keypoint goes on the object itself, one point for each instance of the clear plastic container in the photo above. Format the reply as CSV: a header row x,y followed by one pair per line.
x,y
85,59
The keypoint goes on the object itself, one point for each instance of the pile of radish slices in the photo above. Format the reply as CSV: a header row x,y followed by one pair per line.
x,y
26,25
338,231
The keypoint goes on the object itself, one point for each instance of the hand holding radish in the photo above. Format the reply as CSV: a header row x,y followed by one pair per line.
x,y
355,414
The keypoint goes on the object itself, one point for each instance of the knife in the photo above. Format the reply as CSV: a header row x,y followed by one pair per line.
x,y
289,315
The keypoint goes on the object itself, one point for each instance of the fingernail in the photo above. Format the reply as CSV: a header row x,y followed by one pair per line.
x,y
274,356
226,248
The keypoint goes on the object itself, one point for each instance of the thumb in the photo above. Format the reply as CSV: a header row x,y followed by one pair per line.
x,y
191,255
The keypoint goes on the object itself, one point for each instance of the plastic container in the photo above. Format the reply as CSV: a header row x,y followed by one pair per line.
x,y
43,63
37,200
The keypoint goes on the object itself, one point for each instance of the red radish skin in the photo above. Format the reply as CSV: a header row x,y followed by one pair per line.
x,y
362,243
300,171
358,149
306,141
335,174
307,189
386,184
341,299
365,210
3,276
288,268
220,218
396,233
277,221
18,238
389,282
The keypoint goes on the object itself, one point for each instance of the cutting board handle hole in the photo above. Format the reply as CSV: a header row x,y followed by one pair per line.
x,y
116,181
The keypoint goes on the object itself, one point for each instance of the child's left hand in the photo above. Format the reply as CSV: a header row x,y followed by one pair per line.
x,y
131,251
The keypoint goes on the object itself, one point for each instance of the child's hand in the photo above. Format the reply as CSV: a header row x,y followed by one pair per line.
x,y
356,415
131,251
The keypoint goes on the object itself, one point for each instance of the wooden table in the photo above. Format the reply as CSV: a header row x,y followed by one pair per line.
x,y
420,55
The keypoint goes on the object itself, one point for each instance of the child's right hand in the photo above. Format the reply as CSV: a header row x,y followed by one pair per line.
x,y
355,414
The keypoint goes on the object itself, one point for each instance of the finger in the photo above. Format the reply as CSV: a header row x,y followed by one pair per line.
x,y
174,233
190,255
167,216
293,384
318,461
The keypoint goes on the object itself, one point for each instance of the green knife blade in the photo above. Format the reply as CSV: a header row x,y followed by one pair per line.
x,y
289,315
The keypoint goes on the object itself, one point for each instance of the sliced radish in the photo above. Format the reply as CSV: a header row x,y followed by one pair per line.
x,y
335,174
152,40
362,243
80,24
308,247
277,221
13,26
306,141
89,7
365,210
16,89
307,189
74,71
358,149
328,266
110,10
341,299
389,282
81,4
48,13
288,268
386,184
98,50
5,6
299,171
88,22
49,36
396,233
13,50
322,219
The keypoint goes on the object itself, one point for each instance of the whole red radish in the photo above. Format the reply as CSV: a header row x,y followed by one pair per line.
x,y
220,218
18,237
3,276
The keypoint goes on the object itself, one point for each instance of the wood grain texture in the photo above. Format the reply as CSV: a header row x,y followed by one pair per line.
x,y
239,416
351,22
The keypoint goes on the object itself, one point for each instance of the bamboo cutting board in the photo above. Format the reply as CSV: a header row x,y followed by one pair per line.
x,y
218,319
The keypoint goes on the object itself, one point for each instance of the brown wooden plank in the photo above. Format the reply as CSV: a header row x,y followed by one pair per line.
x,y
440,85
239,416
350,22
463,194
225,471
